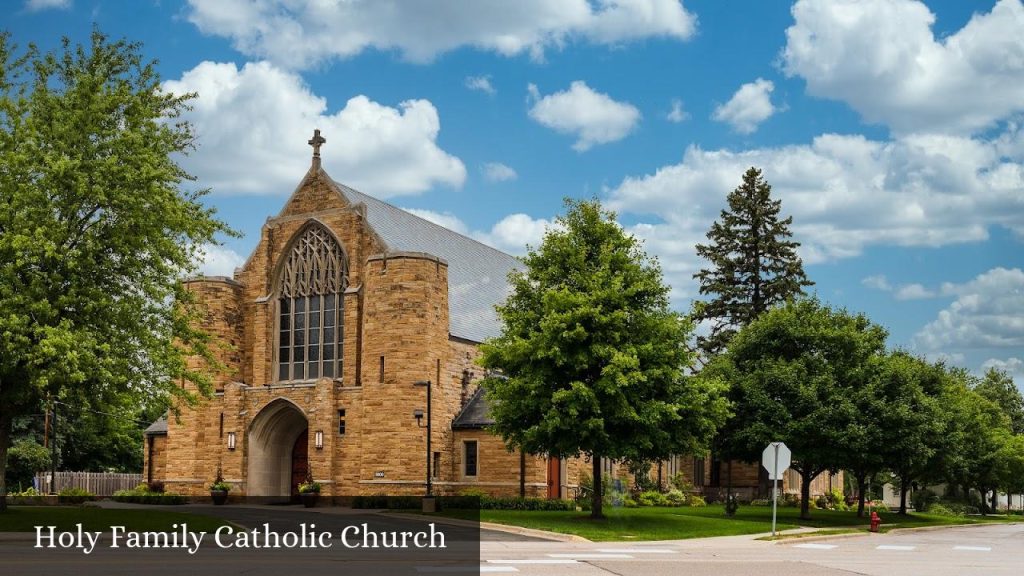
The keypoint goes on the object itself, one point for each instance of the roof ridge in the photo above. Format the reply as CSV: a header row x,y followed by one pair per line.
x,y
386,203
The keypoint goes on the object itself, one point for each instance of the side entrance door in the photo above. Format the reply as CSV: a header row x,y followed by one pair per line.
x,y
554,478
300,462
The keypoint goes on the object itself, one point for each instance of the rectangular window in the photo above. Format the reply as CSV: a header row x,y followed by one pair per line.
x,y
470,461
698,471
341,422
382,369
436,464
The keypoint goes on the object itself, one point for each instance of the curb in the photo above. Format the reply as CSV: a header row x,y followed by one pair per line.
x,y
507,528
790,541
17,536
948,526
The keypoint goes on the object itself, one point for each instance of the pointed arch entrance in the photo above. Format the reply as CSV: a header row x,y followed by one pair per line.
x,y
273,441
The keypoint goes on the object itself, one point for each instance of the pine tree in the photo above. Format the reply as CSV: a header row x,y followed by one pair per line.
x,y
754,264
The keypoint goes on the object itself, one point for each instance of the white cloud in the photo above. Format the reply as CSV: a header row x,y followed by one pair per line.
x,y
303,33
882,58
253,124
677,114
913,292
37,5
1012,366
845,193
445,219
219,261
988,313
748,107
878,282
498,172
593,117
514,232
480,83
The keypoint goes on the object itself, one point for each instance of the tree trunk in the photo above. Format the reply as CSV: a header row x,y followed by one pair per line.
x,y
805,495
728,481
903,496
6,420
862,482
597,498
995,501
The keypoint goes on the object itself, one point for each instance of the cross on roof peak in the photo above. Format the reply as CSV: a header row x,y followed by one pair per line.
x,y
316,141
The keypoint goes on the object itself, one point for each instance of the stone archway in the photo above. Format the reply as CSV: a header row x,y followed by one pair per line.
x,y
271,441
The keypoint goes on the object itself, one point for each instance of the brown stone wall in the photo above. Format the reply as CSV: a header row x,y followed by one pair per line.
x,y
158,464
497,467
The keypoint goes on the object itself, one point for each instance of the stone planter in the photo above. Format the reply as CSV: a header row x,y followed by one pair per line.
x,y
219,496
309,498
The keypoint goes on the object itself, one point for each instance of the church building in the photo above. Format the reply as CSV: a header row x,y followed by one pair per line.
x,y
352,329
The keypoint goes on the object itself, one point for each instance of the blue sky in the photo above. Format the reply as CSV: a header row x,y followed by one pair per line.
x,y
891,129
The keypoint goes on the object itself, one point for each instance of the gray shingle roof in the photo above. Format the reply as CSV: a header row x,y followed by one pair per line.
x,y
477,273
158,427
475,414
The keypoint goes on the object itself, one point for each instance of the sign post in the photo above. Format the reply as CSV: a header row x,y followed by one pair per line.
x,y
776,459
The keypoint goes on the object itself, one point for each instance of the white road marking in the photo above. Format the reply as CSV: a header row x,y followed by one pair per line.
x,y
891,547
591,556
471,569
974,548
531,561
638,551
816,546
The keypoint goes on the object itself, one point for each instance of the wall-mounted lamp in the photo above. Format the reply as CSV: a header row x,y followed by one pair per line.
x,y
231,440
418,415
318,440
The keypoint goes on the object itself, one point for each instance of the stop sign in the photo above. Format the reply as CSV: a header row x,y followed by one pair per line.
x,y
776,456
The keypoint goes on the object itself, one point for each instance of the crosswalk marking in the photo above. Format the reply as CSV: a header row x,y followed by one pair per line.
x,y
533,561
892,547
638,550
974,548
816,546
591,556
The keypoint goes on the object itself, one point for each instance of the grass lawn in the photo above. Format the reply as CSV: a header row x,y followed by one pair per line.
x,y
679,523
26,518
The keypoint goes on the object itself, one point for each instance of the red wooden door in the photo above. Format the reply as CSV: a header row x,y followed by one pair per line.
x,y
300,461
554,478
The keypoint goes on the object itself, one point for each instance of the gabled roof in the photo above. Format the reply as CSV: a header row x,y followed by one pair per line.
x,y
477,273
475,414
158,427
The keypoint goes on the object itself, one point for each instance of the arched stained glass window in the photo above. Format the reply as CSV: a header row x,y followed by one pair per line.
x,y
311,287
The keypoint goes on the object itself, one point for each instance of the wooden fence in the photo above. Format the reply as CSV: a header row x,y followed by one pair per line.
x,y
99,483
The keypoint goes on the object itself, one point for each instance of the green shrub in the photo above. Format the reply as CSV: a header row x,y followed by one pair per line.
x,y
820,502
836,500
922,499
24,458
940,510
628,502
761,502
141,494
676,497
74,496
652,498
696,501
680,482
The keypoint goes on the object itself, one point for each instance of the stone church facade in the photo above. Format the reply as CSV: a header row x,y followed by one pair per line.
x,y
344,312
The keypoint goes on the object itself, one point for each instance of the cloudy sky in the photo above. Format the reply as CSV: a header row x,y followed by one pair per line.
x,y
892,130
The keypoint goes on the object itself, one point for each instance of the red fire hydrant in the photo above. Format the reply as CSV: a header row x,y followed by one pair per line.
x,y
875,521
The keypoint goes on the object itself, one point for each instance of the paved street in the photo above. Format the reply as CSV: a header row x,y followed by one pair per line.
x,y
984,550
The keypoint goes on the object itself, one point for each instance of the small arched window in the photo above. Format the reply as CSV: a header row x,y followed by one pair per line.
x,y
310,292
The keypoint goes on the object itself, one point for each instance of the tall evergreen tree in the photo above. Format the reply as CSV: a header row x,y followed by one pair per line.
x,y
754,264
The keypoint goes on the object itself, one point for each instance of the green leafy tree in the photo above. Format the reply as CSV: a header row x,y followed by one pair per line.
x,y
976,432
997,386
1012,467
754,264
97,228
907,418
793,376
24,459
593,355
